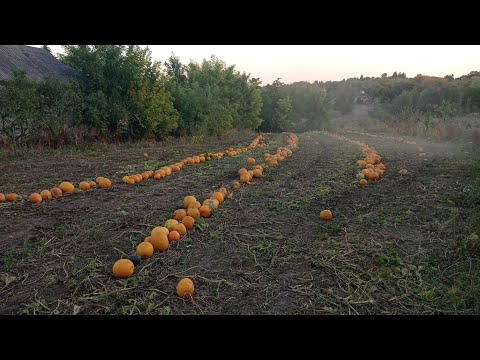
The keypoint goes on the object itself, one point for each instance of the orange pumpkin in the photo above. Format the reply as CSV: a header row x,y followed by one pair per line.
x,y
236,185
174,236
67,187
159,230
187,200
188,221
11,197
205,211
223,190
213,203
185,288
45,194
219,196
35,198
193,212
84,186
175,168
2,198
181,229
245,178
257,173
105,183
123,268
145,250
251,161
194,204
242,171
131,181
326,215
363,182
56,191
373,176
92,184
170,223
159,241
179,214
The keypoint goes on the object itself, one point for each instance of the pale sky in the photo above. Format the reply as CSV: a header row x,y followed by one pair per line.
x,y
329,62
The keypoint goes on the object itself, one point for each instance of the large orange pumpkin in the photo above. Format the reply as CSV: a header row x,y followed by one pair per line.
x,y
160,230
159,241
35,198
245,178
67,187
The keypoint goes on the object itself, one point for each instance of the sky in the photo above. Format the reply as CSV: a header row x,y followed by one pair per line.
x,y
329,62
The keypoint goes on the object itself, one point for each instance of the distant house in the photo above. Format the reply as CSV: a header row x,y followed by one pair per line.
x,y
37,63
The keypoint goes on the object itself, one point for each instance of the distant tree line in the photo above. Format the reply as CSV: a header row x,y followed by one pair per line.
x,y
441,97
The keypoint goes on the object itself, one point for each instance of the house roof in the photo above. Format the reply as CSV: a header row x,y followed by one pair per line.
x,y
36,62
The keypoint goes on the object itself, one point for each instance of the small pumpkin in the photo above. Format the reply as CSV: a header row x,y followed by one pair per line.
x,y
187,200
257,173
179,214
326,215
170,224
11,197
84,186
145,250
174,236
35,198
188,221
193,212
123,268
2,198
45,194
363,182
145,155
181,229
56,191
125,179
194,204
403,172
360,176
245,178
185,288
92,184
219,196
236,185
205,211
251,161
105,183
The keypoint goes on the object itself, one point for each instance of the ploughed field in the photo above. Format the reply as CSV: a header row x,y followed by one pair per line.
x,y
404,243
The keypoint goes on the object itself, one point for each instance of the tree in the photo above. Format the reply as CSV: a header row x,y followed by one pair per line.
x,y
19,104
127,81
46,47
